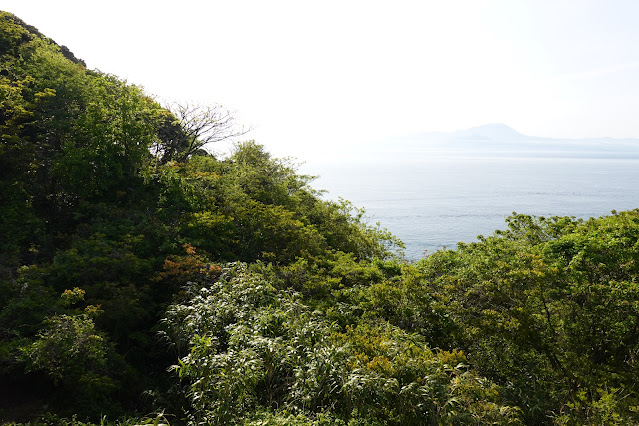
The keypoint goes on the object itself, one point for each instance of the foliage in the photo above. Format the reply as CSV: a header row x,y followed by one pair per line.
x,y
74,354
549,310
274,305
105,190
246,346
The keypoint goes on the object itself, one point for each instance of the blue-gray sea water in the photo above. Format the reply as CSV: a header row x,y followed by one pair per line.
x,y
435,202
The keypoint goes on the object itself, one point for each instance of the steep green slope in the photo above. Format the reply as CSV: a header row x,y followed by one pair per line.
x,y
87,204
146,280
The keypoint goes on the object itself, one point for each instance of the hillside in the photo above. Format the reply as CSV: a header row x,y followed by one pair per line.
x,y
145,281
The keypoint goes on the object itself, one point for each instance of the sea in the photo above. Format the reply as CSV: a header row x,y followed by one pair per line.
x,y
433,202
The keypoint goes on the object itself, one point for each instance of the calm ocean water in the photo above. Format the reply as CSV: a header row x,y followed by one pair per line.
x,y
435,202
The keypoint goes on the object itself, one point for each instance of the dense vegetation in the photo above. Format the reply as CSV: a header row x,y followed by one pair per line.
x,y
143,279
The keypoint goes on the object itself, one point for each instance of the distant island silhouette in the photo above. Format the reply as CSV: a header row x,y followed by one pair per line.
x,y
498,139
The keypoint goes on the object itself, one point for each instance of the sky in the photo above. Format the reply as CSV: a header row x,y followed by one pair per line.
x,y
314,79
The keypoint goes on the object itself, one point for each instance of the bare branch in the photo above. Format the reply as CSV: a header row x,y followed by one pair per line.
x,y
194,126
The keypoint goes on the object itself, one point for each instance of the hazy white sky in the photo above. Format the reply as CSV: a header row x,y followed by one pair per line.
x,y
315,77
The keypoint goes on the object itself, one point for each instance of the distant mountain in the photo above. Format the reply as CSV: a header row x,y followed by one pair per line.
x,y
500,140
493,132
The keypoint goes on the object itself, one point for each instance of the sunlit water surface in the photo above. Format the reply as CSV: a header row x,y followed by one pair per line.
x,y
435,202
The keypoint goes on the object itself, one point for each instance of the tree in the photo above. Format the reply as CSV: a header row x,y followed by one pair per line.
x,y
246,347
548,309
187,128
74,354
